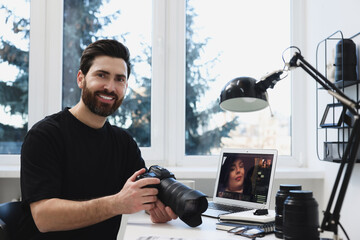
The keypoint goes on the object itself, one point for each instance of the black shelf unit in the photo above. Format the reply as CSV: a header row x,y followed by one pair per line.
x,y
331,141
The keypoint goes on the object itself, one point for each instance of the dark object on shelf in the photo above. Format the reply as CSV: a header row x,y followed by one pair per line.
x,y
301,219
345,60
333,115
281,196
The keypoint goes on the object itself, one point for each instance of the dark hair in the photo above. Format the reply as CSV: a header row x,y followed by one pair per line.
x,y
225,170
104,47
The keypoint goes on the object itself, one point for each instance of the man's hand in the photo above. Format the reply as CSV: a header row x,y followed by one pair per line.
x,y
161,213
135,197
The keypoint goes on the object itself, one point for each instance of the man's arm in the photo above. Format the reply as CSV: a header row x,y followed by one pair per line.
x,y
60,215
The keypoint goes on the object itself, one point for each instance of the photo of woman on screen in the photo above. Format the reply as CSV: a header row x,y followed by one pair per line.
x,y
235,178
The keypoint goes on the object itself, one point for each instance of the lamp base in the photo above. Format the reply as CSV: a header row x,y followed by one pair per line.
x,y
328,235
335,237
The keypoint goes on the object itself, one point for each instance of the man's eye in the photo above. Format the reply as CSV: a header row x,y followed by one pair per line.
x,y
101,75
120,79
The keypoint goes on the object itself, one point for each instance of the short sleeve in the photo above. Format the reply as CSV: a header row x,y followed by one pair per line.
x,y
41,170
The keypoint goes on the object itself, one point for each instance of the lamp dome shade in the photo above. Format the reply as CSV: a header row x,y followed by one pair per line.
x,y
242,95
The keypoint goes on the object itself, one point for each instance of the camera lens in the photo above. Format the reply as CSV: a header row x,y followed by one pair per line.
x,y
281,196
300,216
187,203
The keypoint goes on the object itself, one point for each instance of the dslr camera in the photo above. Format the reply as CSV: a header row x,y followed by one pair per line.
x,y
187,203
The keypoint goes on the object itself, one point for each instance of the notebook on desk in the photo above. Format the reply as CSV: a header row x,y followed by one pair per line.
x,y
244,181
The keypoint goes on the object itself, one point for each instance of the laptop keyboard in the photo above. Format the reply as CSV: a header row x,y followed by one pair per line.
x,y
226,208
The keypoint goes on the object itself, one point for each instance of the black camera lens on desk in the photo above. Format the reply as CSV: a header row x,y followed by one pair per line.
x,y
280,198
187,203
300,216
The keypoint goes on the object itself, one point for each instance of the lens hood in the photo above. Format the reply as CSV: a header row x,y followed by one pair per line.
x,y
187,203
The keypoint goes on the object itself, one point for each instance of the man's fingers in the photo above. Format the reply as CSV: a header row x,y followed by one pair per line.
x,y
149,199
151,182
143,182
171,213
149,192
160,204
160,213
148,207
139,172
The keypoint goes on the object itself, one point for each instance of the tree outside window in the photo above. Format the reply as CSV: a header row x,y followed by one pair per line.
x,y
14,73
230,39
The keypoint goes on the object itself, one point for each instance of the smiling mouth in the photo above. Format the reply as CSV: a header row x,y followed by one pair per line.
x,y
106,97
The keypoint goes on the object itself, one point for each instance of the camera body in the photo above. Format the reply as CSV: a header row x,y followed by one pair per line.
x,y
156,172
187,203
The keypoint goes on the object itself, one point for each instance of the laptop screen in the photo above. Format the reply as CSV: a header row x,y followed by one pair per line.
x,y
246,175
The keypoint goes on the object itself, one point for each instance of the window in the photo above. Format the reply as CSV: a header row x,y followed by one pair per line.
x,y
87,21
183,53
14,69
224,42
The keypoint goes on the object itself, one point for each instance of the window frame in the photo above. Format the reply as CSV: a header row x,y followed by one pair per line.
x,y
177,17
168,86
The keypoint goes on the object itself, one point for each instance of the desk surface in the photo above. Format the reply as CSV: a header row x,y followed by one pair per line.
x,y
140,225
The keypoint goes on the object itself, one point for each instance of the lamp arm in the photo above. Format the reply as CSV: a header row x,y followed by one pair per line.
x,y
352,148
331,220
269,80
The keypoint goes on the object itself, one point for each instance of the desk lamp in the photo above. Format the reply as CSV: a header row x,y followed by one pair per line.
x,y
245,94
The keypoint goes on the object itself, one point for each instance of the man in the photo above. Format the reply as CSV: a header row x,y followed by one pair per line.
x,y
78,172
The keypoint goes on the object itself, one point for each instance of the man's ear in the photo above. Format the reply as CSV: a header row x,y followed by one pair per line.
x,y
80,79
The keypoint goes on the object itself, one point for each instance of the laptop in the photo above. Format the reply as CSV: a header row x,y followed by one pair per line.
x,y
244,181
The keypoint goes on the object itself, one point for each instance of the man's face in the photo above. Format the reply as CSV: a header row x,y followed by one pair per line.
x,y
104,86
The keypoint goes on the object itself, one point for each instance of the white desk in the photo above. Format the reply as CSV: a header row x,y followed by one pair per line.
x,y
140,225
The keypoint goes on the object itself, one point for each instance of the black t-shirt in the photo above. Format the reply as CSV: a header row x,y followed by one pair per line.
x,y
63,158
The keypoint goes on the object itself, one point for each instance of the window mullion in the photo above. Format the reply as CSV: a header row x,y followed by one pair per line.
x,y
53,55
175,82
155,153
37,61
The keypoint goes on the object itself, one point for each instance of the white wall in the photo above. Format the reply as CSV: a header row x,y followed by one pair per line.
x,y
322,18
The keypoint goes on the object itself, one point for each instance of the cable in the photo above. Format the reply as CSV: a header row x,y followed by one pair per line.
x,y
287,64
282,55
342,228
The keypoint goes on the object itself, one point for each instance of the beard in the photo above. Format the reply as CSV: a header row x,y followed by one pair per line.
x,y
99,108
